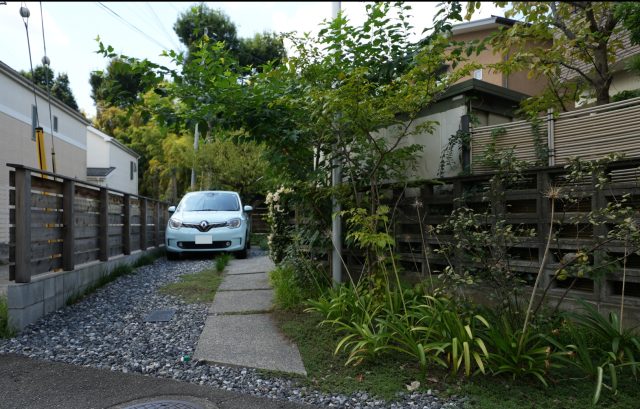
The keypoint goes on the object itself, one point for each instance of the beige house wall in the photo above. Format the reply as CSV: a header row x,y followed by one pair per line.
x,y
517,81
17,144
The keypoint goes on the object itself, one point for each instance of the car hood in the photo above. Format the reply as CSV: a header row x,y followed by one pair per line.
x,y
210,217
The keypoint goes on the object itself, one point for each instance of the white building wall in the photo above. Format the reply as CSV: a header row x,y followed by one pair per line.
x,y
434,143
624,81
103,152
120,178
97,150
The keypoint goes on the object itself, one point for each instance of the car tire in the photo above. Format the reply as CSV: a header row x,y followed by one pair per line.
x,y
248,241
242,254
173,255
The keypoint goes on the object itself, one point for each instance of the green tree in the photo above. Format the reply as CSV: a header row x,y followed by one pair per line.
x,y
118,85
44,76
630,14
261,49
200,21
573,44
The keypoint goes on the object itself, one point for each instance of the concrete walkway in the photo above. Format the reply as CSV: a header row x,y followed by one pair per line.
x,y
239,329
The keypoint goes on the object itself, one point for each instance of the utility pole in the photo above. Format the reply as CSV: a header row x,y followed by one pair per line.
x,y
336,179
196,137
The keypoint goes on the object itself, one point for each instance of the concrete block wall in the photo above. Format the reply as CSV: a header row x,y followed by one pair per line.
x,y
46,293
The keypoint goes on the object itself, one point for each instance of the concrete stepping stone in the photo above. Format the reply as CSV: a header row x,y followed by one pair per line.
x,y
256,281
254,301
259,264
251,340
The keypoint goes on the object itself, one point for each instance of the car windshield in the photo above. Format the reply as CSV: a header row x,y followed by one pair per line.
x,y
210,201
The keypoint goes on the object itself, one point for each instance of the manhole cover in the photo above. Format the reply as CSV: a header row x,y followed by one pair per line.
x,y
160,316
165,404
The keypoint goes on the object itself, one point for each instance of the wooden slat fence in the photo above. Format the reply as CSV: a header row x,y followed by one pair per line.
x,y
259,220
526,205
589,133
57,222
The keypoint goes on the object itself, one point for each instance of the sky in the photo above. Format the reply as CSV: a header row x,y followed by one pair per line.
x,y
145,29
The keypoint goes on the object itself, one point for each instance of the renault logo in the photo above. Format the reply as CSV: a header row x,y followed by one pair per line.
x,y
203,224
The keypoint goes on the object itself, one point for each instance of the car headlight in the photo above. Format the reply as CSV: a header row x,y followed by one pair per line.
x,y
175,223
234,223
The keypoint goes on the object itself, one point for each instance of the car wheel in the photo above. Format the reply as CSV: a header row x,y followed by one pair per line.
x,y
173,255
248,240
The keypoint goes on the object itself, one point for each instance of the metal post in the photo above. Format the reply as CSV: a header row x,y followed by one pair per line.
x,y
196,136
336,179
551,137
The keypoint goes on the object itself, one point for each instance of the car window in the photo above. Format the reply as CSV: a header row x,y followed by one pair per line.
x,y
210,201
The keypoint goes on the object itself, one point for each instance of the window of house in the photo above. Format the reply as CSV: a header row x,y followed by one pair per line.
x,y
34,121
55,124
132,169
477,74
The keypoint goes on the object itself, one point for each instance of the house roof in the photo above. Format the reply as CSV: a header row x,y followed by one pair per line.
x,y
485,87
19,78
482,24
99,172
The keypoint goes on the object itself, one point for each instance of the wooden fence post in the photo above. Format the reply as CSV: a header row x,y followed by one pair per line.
x,y
143,223
157,225
126,233
598,201
68,235
104,224
23,226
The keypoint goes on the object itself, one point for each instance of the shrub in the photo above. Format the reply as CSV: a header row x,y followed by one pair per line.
x,y
221,261
278,219
6,331
287,291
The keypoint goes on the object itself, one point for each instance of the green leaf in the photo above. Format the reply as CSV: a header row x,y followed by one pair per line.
x,y
598,389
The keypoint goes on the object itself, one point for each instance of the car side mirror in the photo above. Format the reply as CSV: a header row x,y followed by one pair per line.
x,y
248,208
171,209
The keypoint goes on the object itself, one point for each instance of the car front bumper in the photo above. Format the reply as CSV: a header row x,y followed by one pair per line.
x,y
184,240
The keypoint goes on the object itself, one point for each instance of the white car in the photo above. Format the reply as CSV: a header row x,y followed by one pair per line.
x,y
208,221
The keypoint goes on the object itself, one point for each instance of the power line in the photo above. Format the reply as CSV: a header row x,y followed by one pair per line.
x,y
24,13
162,27
109,10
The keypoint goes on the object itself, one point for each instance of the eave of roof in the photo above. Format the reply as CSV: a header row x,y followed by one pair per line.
x,y
99,172
484,87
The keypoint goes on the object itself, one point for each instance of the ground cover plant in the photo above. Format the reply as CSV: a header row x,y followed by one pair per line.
x,y
199,287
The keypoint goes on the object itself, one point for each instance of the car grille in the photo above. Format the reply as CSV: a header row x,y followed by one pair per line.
x,y
190,245
207,228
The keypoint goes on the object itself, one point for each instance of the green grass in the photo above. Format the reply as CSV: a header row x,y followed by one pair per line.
x,y
259,240
327,372
222,260
387,376
502,393
5,329
287,293
195,288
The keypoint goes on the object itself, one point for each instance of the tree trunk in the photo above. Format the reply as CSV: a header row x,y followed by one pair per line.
x,y
602,74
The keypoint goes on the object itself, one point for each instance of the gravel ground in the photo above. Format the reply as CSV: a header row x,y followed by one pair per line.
x,y
106,330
